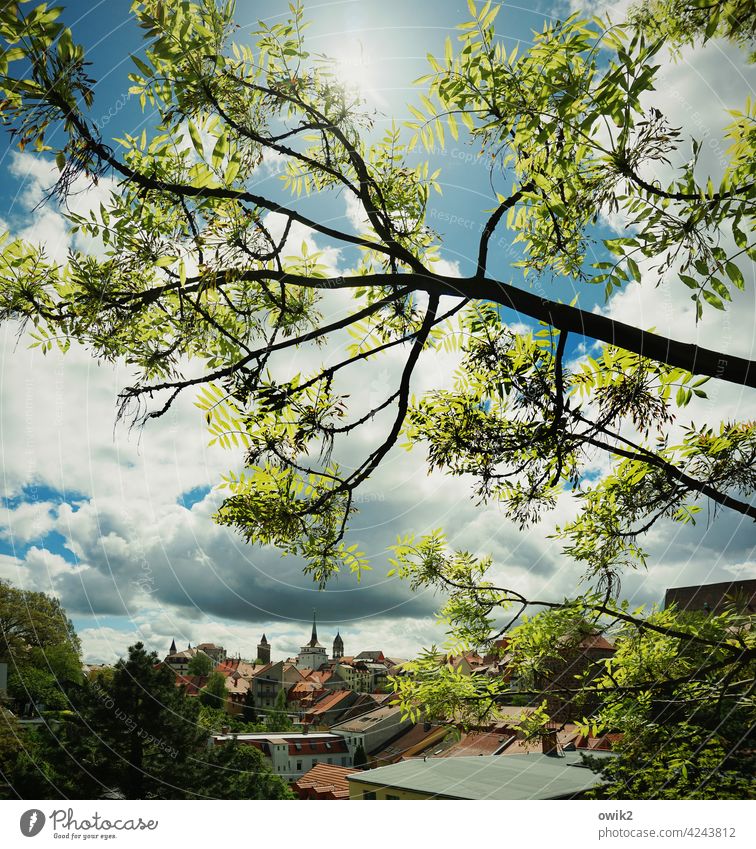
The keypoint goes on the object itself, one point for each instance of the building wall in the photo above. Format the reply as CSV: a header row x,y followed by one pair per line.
x,y
311,658
266,686
376,735
360,790
290,766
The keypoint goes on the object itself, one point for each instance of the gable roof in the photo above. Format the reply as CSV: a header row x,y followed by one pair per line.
x,y
366,721
476,743
330,702
326,780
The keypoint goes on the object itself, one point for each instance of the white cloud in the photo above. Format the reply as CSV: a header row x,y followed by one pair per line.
x,y
28,521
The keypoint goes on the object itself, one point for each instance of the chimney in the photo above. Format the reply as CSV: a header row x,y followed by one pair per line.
x,y
549,743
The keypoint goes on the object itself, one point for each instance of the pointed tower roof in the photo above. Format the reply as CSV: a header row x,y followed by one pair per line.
x,y
314,638
263,641
172,649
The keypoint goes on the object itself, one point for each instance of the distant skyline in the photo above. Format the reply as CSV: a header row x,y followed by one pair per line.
x,y
117,522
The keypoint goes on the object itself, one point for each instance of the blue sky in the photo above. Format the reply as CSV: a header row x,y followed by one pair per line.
x,y
118,523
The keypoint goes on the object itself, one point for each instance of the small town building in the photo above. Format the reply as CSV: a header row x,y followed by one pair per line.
x,y
373,729
714,598
216,653
290,755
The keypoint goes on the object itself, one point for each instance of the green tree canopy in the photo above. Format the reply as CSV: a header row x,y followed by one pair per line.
x,y
40,645
200,664
214,693
34,629
277,718
134,735
249,710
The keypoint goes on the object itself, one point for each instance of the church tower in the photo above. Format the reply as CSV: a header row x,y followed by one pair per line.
x,y
338,647
263,650
313,654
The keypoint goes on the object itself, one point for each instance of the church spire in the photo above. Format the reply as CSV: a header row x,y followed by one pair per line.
x,y
172,649
314,638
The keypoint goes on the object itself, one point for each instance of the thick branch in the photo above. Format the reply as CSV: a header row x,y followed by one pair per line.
x,y
564,317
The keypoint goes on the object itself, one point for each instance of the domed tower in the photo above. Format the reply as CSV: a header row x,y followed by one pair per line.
x,y
263,650
338,647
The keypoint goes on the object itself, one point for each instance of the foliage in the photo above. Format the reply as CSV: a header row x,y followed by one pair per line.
x,y
278,717
137,736
360,758
214,693
681,761
679,686
38,687
249,712
693,733
200,664
235,771
189,268
40,645
34,629
10,733
686,22
214,720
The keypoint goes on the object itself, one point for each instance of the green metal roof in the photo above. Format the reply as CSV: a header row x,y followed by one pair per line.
x,y
512,777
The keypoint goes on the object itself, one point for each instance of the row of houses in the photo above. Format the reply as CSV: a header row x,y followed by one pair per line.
x,y
326,765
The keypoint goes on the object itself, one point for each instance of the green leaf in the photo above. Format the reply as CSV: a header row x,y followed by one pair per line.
x,y
220,150
196,138
735,275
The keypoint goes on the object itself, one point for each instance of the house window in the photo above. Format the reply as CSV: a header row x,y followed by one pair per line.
x,y
299,766
343,760
391,797
369,795
330,760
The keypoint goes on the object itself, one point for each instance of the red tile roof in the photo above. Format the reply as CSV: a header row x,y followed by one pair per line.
x,y
192,683
480,743
324,781
596,641
329,702
301,746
